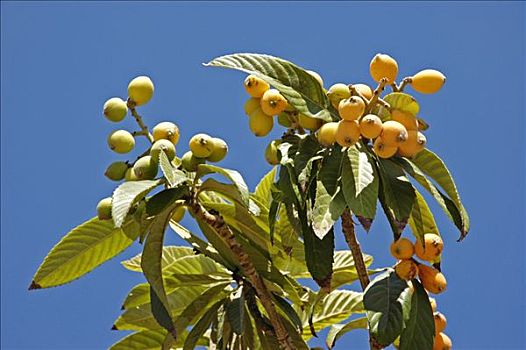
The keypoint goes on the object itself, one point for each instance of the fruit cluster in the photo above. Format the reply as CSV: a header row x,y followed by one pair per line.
x,y
163,137
397,132
429,250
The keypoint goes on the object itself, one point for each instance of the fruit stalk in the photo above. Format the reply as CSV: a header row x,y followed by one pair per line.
x,y
218,224
403,84
139,121
376,94
359,263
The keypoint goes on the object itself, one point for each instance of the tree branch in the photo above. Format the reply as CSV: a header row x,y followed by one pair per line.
x,y
359,263
219,225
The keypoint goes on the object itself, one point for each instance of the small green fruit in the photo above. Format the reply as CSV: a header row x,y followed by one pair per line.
x,y
251,105
162,145
189,162
338,92
104,209
116,171
271,152
130,175
166,131
260,123
220,149
115,109
140,90
201,145
121,141
178,213
309,123
145,168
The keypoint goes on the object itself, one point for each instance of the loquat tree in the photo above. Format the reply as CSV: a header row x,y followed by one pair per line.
x,y
237,283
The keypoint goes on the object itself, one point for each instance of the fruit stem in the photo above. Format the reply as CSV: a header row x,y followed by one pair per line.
x,y
355,92
376,95
359,263
403,84
384,104
138,119
394,87
218,224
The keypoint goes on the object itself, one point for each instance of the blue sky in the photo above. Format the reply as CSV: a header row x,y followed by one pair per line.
x,y
60,61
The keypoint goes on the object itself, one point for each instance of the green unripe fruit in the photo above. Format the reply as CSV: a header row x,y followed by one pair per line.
x,y
166,131
115,109
116,171
309,123
201,145
220,149
145,168
251,105
271,152
140,90
260,123
104,209
130,175
189,162
338,92
162,145
121,141
178,213
327,134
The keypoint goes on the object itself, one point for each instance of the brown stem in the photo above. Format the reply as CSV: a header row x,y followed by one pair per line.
x,y
403,84
219,225
138,119
376,95
359,263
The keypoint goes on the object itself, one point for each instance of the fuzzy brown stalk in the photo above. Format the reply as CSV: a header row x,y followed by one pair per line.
x,y
219,225
359,263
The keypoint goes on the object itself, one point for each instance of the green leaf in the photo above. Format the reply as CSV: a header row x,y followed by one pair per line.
x,y
319,255
196,265
384,300
162,200
431,165
400,101
235,311
170,254
232,175
344,269
83,249
263,188
201,326
228,190
422,220
335,307
173,176
360,185
301,89
161,312
331,169
398,192
126,195
339,330
420,328
143,340
287,310
326,211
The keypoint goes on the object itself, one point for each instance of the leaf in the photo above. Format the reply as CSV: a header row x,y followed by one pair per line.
x,y
331,169
384,301
327,209
82,250
201,326
263,188
162,200
344,269
301,89
398,192
339,330
420,328
335,307
170,254
232,175
174,176
126,195
360,185
422,220
143,340
288,311
161,312
228,190
431,165
235,311
319,255
400,101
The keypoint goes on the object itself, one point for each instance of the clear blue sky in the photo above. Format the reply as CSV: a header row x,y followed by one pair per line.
x,y
61,61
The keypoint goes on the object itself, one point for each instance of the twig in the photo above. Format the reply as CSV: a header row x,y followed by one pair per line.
x,y
403,84
138,119
376,94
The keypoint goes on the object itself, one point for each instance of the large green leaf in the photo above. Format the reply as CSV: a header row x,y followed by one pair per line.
x,y
431,165
232,175
174,176
235,311
196,265
419,331
360,185
170,254
301,89
319,255
398,192
164,199
385,302
422,220
344,269
263,187
83,249
143,340
400,101
126,195
161,312
326,211
201,326
335,307
339,330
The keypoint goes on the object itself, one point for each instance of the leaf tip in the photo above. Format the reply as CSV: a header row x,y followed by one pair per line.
x,y
34,285
365,222
114,328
